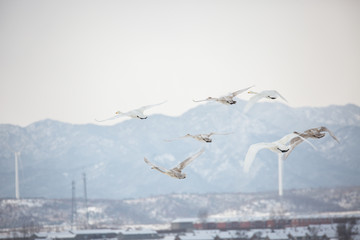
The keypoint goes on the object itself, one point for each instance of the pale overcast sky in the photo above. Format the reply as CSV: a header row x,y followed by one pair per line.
x,y
73,61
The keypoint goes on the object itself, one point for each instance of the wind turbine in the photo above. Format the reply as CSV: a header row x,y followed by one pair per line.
x,y
17,191
280,147
17,156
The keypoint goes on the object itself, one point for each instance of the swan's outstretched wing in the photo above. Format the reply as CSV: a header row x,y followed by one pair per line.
x,y
174,139
111,118
203,100
294,141
142,109
153,166
214,133
325,129
310,133
251,153
234,94
252,101
171,140
260,95
187,161
290,137
287,138
276,93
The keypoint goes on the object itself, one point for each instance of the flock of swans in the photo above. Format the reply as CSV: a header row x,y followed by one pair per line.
x,y
282,147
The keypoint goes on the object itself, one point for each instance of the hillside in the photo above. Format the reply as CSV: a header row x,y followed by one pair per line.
x,y
165,208
53,153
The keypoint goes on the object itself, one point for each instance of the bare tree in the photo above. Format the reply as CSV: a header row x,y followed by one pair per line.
x,y
346,230
203,215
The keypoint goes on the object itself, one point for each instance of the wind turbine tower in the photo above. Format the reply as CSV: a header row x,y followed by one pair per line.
x,y
17,192
280,170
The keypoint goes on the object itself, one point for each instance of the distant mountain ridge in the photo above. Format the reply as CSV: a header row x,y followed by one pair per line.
x,y
55,153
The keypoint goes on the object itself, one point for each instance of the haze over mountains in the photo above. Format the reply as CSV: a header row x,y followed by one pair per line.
x,y
55,153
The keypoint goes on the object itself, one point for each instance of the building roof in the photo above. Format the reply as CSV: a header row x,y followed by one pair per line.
x,y
277,235
94,231
197,236
53,235
141,231
185,220
41,234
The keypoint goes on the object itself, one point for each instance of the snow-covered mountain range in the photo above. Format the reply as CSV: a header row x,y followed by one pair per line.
x,y
53,153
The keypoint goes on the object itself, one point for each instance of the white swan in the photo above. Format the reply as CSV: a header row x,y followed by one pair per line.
x,y
269,94
310,133
136,113
176,171
227,100
205,137
279,147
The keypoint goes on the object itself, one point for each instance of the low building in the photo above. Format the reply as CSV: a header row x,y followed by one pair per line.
x,y
183,224
138,235
95,234
199,235
60,236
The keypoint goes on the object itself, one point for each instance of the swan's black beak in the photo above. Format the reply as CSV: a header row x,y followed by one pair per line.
x,y
283,151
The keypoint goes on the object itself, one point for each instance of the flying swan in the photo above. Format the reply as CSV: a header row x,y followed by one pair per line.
x,y
176,171
280,147
205,137
269,94
227,100
136,113
315,133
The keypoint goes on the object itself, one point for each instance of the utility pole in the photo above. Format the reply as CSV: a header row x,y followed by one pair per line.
x,y
85,198
73,205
